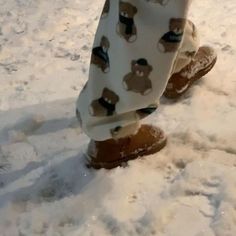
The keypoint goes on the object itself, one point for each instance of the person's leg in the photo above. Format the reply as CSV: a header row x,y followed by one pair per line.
x,y
189,47
192,63
134,50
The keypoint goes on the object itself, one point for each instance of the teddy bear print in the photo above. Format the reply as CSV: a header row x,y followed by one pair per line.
x,y
123,131
162,2
106,9
100,56
137,80
144,112
170,41
105,105
126,27
115,131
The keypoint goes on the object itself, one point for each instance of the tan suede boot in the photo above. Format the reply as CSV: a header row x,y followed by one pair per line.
x,y
112,153
201,64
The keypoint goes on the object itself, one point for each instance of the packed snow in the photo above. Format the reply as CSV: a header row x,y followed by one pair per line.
x,y
188,189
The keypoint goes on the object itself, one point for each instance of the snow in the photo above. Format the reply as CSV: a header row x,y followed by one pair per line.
x,y
188,189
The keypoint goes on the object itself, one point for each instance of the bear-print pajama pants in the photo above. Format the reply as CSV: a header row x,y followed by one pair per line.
x,y
138,45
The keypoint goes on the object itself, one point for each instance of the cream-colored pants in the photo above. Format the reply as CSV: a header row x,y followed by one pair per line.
x,y
138,45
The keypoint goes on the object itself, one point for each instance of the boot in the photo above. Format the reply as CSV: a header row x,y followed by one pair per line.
x,y
112,153
180,82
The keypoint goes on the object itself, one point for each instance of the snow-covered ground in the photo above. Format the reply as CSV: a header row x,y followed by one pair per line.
x,y
188,189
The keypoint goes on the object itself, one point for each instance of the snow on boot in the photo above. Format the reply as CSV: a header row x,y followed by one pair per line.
x,y
112,153
201,64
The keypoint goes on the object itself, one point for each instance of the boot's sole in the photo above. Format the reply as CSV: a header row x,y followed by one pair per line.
x,y
173,94
123,161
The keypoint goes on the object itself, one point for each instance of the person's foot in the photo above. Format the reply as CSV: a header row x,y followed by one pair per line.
x,y
112,153
201,64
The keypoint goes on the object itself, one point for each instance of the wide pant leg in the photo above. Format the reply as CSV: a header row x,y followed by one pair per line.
x,y
134,53
189,47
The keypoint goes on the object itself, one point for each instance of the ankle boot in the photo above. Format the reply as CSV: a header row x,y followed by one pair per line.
x,y
116,152
201,64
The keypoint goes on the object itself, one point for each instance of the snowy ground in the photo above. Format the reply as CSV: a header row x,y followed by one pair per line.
x,y
188,189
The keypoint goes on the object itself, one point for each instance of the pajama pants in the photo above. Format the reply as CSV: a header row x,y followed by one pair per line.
x,y
138,45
